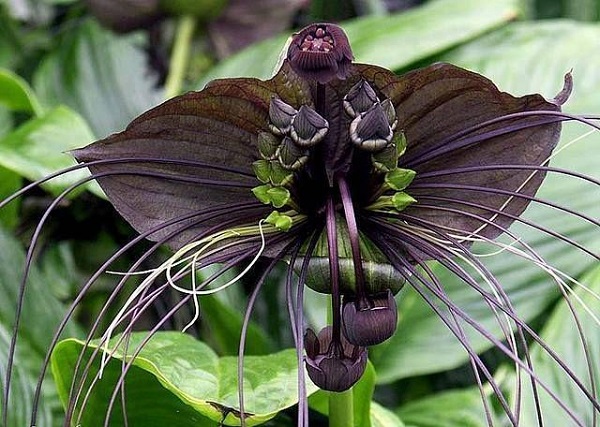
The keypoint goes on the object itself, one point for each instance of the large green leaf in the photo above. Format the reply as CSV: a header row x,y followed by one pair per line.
x,y
188,376
41,314
521,58
392,41
560,334
38,148
456,408
16,94
103,77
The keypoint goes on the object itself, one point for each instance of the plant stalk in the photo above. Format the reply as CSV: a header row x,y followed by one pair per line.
x,y
341,409
180,55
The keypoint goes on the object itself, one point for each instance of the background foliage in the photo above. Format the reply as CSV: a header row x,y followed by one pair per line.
x,y
66,79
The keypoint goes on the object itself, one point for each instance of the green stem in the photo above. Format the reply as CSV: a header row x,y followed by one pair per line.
x,y
180,55
341,409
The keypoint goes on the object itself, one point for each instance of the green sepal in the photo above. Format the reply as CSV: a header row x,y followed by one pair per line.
x,y
402,200
386,159
262,193
281,221
262,170
278,196
399,140
280,176
398,179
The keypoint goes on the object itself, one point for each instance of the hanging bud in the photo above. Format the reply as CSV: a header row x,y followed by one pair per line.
x,y
390,113
320,52
308,127
280,116
369,321
371,131
291,156
267,145
386,159
333,366
360,98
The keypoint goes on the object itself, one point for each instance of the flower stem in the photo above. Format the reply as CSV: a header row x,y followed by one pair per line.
x,y
180,55
341,409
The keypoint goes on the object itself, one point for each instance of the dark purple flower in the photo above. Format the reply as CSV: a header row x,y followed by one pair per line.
x,y
320,52
333,363
354,176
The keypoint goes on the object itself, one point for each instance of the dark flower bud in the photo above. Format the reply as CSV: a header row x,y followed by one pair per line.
x,y
371,130
291,156
390,113
331,365
267,145
308,127
360,98
125,15
320,52
369,321
280,116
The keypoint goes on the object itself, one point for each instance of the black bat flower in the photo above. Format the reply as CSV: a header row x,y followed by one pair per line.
x,y
352,175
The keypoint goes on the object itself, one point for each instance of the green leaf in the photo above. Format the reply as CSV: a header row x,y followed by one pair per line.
x,y
224,323
188,379
38,148
561,335
455,408
392,41
383,417
9,183
103,77
16,94
521,58
41,314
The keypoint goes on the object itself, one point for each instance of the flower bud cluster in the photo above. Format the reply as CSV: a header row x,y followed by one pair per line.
x,y
373,129
285,150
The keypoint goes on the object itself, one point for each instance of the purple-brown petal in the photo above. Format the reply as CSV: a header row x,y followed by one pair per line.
x,y
435,106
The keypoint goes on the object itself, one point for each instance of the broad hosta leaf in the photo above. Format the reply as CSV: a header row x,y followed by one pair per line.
x,y
103,77
517,59
187,375
456,408
383,417
38,148
560,333
393,41
16,94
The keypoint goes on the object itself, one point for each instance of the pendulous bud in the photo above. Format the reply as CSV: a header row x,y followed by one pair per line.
x,y
371,131
360,98
369,321
290,156
280,116
320,52
308,127
331,365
